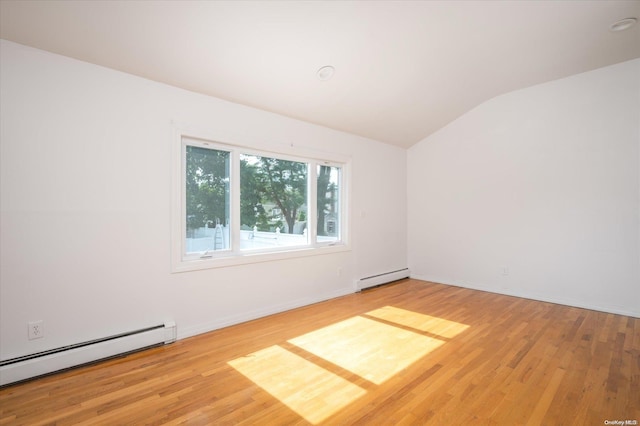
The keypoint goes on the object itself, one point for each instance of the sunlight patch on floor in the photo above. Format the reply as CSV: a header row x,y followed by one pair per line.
x,y
308,389
422,322
373,350
368,346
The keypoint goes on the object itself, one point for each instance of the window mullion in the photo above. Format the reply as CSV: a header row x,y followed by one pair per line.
x,y
235,202
183,199
312,211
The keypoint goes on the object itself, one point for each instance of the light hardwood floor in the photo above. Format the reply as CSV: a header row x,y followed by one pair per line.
x,y
410,353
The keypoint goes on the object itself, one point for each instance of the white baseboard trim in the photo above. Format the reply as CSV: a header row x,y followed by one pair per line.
x,y
185,332
533,296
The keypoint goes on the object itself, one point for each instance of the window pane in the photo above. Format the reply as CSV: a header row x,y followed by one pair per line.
x,y
328,203
273,202
207,199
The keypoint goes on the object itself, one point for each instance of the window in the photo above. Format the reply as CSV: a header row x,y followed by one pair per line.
x,y
273,202
236,205
328,203
207,200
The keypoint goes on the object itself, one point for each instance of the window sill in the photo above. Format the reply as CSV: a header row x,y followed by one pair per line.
x,y
248,257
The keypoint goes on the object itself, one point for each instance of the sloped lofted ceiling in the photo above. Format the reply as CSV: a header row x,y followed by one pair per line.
x,y
403,69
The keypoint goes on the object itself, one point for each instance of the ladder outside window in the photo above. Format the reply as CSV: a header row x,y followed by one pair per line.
x,y
218,238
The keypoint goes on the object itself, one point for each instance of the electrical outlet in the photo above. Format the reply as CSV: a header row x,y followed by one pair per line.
x,y
36,329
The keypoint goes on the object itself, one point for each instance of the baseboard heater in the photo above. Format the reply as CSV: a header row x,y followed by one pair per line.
x,y
387,277
46,362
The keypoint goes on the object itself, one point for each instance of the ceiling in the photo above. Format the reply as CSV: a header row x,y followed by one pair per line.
x,y
403,69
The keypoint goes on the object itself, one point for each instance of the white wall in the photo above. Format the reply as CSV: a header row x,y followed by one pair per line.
x,y
543,181
85,207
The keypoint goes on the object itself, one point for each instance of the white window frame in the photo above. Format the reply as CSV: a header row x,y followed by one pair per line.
x,y
235,256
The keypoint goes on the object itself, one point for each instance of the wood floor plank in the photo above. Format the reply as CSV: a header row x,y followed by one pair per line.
x,y
409,353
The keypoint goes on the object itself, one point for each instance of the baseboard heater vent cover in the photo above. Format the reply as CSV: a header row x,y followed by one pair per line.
x,y
387,277
41,363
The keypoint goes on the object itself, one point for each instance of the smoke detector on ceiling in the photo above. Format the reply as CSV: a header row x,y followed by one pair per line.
x,y
325,73
623,24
